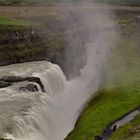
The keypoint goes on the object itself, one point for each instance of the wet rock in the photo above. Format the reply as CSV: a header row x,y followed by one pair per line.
x,y
17,35
13,79
36,80
4,84
98,138
29,87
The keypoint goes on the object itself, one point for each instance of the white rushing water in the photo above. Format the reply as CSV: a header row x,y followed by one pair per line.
x,y
50,115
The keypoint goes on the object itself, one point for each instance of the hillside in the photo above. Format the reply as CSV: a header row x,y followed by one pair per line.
x,y
27,2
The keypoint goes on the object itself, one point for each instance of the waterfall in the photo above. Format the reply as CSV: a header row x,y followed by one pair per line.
x,y
50,115
20,111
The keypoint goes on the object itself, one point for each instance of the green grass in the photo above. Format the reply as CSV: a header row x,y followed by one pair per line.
x,y
108,106
11,23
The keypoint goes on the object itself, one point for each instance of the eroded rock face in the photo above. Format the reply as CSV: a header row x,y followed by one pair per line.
x,y
29,87
4,84
8,36
9,80
12,79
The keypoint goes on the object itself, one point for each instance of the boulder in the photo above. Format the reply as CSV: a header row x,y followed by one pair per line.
x,y
29,87
13,79
4,84
36,80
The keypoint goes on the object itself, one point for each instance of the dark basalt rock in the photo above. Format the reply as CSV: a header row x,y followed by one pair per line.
x,y
13,79
98,138
29,87
4,84
5,139
36,80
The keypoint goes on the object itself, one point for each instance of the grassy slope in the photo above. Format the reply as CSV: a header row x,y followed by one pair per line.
x,y
11,23
121,98
103,109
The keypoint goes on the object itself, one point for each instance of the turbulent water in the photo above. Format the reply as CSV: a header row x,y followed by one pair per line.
x,y
50,115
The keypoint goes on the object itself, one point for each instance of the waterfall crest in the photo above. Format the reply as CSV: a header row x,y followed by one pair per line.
x,y
20,110
50,115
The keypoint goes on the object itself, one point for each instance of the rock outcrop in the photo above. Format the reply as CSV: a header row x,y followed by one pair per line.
x,y
12,36
9,80
4,84
29,87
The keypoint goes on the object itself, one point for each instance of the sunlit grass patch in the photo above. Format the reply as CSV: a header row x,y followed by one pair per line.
x,y
108,106
12,23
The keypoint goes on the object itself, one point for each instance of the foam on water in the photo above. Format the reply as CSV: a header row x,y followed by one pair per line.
x,y
50,115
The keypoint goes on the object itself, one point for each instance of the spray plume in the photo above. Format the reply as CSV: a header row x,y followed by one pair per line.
x,y
52,115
